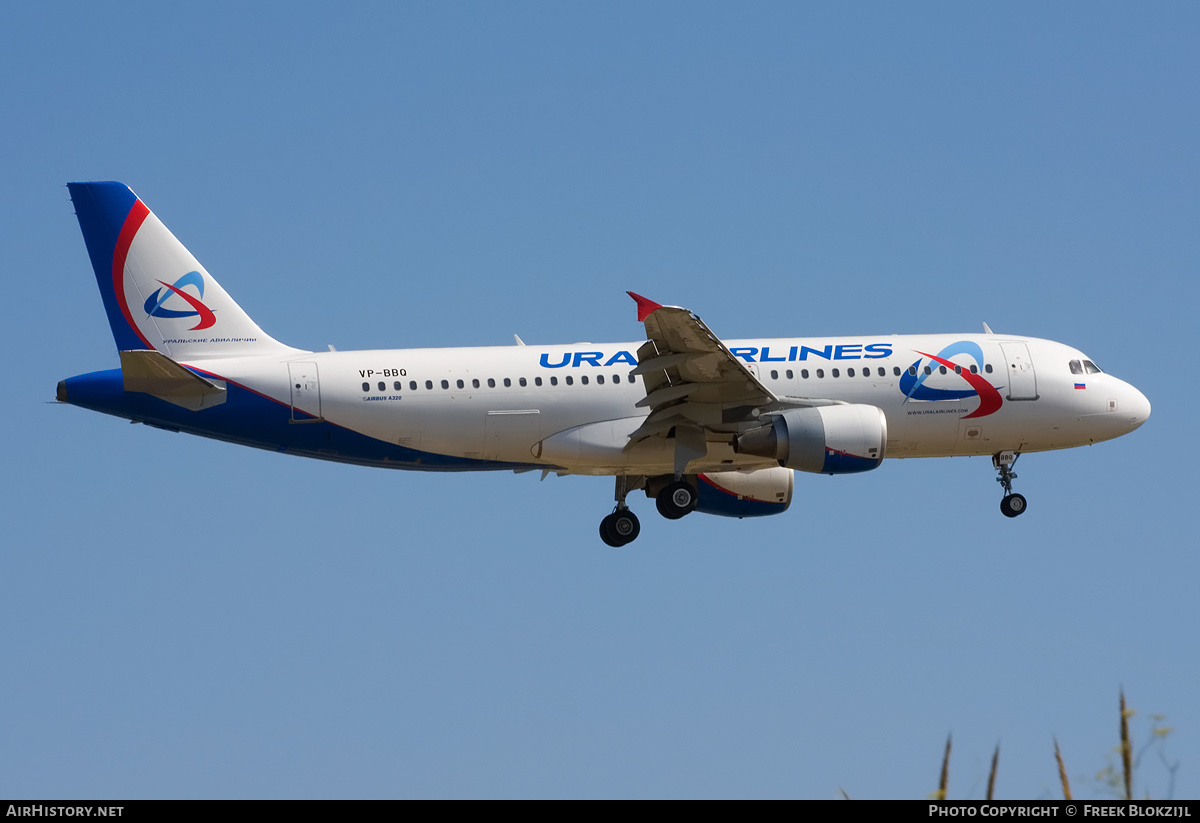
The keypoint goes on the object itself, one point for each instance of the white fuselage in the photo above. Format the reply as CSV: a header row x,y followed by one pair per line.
x,y
573,407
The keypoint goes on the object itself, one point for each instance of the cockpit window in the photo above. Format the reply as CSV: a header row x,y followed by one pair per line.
x,y
1091,368
1076,368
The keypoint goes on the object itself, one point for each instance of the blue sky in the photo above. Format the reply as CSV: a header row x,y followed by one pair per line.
x,y
185,618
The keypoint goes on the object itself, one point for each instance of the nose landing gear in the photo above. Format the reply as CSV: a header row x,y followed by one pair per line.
x,y
1012,504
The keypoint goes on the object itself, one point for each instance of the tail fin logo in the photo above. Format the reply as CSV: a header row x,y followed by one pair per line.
x,y
155,304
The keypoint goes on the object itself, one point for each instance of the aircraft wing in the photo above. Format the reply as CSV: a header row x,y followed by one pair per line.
x,y
695,386
693,381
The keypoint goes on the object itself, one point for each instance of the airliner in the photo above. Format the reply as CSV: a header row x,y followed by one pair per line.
x,y
698,423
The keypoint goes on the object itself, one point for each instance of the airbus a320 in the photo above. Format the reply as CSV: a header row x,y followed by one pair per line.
x,y
698,423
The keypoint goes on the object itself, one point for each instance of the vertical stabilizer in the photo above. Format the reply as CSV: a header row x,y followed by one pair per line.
x,y
156,294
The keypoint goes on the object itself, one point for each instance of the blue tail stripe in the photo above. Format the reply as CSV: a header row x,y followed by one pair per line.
x,y
101,209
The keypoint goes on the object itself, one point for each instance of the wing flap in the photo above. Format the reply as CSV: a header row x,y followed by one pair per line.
x,y
686,368
698,392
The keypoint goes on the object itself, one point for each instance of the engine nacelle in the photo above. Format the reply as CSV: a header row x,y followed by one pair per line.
x,y
823,439
745,494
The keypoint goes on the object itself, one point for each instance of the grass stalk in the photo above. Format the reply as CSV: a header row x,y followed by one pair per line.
x,y
1126,749
1062,772
991,790
944,782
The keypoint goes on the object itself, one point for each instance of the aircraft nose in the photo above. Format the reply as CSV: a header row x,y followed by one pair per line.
x,y
1138,407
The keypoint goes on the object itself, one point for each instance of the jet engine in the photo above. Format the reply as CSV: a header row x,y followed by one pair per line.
x,y
745,494
824,439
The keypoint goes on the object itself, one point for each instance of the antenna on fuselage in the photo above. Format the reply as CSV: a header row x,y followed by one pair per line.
x,y
987,329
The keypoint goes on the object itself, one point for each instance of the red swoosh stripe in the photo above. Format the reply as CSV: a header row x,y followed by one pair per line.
x,y
989,398
133,221
207,318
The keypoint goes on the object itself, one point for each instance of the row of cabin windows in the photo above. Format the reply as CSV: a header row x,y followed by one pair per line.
x,y
398,385
866,371
616,378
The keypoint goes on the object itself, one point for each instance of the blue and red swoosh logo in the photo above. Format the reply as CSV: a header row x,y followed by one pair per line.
x,y
155,303
914,388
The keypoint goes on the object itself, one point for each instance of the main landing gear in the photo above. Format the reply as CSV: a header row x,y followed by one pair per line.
x,y
673,495
619,528
1012,504
676,499
622,526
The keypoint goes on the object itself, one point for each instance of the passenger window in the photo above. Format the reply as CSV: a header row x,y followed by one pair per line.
x,y
523,382
928,370
396,385
445,384
537,381
804,373
600,380
429,384
912,371
583,380
570,380
789,374
883,371
958,369
896,371
988,368
491,382
974,369
553,381
412,384
616,379
507,383
849,373
774,374
820,372
382,386
836,373
366,386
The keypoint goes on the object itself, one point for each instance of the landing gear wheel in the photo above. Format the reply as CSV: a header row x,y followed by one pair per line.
x,y
1012,505
620,528
676,500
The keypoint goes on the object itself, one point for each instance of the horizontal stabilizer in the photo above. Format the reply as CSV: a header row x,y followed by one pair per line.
x,y
153,373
